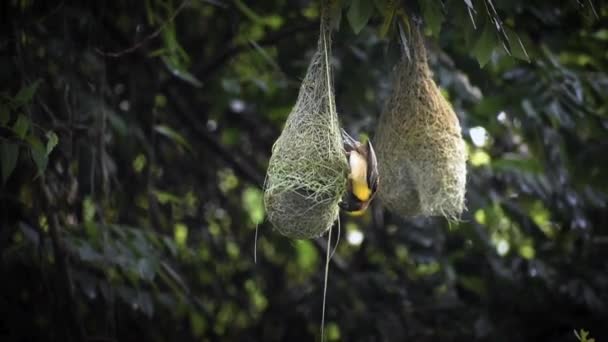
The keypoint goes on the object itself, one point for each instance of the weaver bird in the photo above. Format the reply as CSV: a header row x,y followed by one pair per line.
x,y
362,177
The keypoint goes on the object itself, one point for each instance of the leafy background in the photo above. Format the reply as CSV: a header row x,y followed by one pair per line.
x,y
134,137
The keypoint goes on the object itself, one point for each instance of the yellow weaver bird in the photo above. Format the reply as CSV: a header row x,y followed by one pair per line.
x,y
363,175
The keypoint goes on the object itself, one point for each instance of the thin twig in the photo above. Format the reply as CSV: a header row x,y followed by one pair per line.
x,y
147,38
62,264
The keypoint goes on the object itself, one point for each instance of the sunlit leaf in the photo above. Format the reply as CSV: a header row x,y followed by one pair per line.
x,y
88,209
227,180
273,21
253,202
256,296
542,217
526,250
333,331
139,162
479,157
307,256
180,234
232,249
480,216
164,197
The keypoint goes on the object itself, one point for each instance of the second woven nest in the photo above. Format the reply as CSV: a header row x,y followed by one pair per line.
x,y
421,154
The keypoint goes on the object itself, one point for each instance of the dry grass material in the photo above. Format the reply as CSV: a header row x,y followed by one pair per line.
x,y
421,154
307,172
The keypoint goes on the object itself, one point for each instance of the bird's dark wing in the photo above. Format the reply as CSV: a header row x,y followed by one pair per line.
x,y
372,167
350,144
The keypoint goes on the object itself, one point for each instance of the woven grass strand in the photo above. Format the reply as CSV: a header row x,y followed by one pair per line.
x,y
307,172
421,154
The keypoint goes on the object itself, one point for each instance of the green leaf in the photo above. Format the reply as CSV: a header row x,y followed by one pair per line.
x,y
21,126
388,10
52,141
9,153
474,284
517,47
39,155
248,12
173,135
181,73
485,45
180,234
198,324
147,268
333,332
26,94
230,136
515,163
118,123
433,15
253,202
359,13
164,197
5,115
306,255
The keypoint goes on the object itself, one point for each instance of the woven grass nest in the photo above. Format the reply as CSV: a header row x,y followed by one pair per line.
x,y
421,154
307,171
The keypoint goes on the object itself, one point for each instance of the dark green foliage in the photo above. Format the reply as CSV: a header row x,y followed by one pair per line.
x,y
134,139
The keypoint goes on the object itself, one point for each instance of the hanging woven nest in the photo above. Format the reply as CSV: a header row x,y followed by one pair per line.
x,y
421,154
307,172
